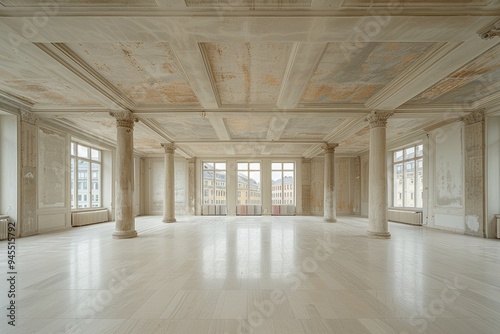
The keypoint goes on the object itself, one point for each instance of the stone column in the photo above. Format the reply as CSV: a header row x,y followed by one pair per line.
x,y
124,185
306,186
330,200
29,160
474,174
191,186
377,188
169,198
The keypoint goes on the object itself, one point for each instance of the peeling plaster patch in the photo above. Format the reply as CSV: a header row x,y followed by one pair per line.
x,y
188,128
472,223
52,169
358,141
368,68
248,73
147,73
53,91
448,180
144,144
310,128
251,128
474,81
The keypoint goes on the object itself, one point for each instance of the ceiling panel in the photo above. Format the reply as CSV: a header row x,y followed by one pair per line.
x,y
26,80
310,128
247,73
474,81
46,91
248,128
147,73
100,126
188,128
353,72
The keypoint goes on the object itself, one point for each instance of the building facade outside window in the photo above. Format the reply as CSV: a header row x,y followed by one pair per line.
x,y
283,183
408,169
86,177
249,185
214,183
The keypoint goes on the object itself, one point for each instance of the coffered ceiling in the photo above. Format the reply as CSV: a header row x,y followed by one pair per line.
x,y
248,77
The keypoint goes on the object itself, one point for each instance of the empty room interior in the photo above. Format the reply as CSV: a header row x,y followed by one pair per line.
x,y
250,166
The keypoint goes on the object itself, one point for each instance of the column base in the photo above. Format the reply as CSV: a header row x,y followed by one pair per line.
x,y
124,234
379,235
330,220
169,220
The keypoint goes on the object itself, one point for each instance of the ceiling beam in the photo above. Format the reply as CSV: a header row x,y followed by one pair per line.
x,y
197,69
302,62
108,94
438,63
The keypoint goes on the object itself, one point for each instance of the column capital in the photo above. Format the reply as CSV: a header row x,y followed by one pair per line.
x,y
378,118
29,117
169,147
191,160
124,119
306,160
329,148
474,117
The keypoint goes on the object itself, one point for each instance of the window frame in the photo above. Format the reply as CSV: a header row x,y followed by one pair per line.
x,y
246,188
284,188
87,192
409,155
211,192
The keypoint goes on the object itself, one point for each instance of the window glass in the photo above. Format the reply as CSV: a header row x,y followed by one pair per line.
x,y
408,177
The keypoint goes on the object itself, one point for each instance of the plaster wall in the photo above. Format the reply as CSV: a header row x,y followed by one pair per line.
x,y
154,173
347,184
53,186
492,184
445,152
9,166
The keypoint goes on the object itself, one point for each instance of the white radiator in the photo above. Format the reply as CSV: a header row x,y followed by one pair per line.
x,y
498,226
283,210
214,210
249,210
4,225
89,217
403,216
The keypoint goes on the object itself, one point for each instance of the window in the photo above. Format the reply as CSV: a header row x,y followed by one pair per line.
x,y
283,182
249,186
85,176
214,183
408,167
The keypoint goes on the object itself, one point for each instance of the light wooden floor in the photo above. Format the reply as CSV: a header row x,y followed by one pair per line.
x,y
255,275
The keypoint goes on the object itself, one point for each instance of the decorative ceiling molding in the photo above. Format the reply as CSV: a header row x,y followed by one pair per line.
x,y
493,31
